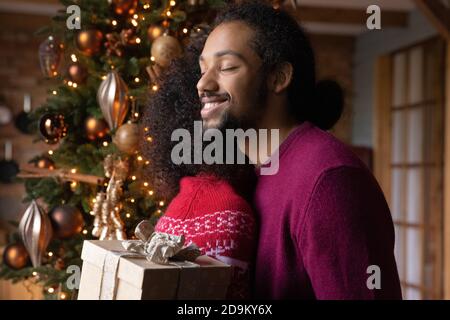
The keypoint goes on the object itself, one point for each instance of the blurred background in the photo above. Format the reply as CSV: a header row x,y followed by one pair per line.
x,y
396,115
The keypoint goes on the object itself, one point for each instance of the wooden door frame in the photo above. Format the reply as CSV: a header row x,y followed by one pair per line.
x,y
382,146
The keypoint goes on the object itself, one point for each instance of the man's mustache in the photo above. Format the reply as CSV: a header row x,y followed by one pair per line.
x,y
213,94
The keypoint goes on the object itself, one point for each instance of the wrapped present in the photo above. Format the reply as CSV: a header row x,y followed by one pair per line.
x,y
155,267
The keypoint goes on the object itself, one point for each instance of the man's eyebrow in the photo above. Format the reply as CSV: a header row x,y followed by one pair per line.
x,y
226,52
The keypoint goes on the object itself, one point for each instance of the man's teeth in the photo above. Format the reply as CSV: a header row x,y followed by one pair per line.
x,y
209,105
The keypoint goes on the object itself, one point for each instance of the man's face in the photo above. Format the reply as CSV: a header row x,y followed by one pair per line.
x,y
232,84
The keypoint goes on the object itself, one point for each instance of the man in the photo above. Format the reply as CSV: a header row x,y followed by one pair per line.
x,y
325,228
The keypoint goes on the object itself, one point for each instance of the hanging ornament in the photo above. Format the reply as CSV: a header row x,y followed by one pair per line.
x,y
89,42
154,32
50,52
52,127
22,120
45,163
108,224
16,256
66,221
76,72
127,138
112,96
116,43
122,7
165,49
96,128
36,232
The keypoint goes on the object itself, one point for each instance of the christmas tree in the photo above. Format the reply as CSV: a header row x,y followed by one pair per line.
x,y
102,60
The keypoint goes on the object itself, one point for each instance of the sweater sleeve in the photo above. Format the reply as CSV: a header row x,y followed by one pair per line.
x,y
346,229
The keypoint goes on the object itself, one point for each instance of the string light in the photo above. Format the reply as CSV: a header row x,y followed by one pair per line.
x,y
136,79
103,77
73,57
145,184
147,162
50,254
34,273
62,296
135,16
185,30
70,83
105,143
146,129
85,231
138,40
94,200
73,170
92,213
55,92
149,139
168,13
128,215
50,290
146,6
50,152
172,3
132,200
136,114
114,23
161,203
155,87
133,178
152,58
75,85
150,192
139,158
73,184
134,22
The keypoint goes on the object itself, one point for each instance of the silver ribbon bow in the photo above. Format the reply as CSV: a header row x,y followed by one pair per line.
x,y
159,247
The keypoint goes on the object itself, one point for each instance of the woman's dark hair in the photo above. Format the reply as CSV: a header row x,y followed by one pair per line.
x,y
176,105
279,38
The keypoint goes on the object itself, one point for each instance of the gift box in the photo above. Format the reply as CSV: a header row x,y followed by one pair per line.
x,y
110,272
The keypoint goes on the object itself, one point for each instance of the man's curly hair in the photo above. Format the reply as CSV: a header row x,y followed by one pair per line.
x,y
174,106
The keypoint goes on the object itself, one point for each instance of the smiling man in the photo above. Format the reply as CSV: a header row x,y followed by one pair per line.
x,y
324,223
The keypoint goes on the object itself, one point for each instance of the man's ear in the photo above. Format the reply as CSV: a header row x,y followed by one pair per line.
x,y
280,77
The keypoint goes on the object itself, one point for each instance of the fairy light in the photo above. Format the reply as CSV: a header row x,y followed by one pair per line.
x,y
152,58
134,22
55,92
136,114
50,152
139,158
146,129
132,200
50,254
103,77
135,16
116,208
105,143
161,203
63,296
73,57
138,40
133,178
128,215
34,273
114,23
73,184
172,3
185,30
149,139
158,211
92,213
85,231
146,6
150,193
155,87
74,85
69,83
73,170
136,79
168,13
50,290
147,162
145,184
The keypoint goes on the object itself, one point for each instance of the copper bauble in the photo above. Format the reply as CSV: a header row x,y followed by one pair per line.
x,y
16,256
154,31
52,128
89,42
76,72
96,128
165,49
127,138
36,232
124,6
66,220
112,96
50,54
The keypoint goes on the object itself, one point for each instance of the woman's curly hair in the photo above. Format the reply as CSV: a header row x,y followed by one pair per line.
x,y
174,106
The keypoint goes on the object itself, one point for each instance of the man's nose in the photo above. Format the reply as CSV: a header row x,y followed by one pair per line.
x,y
207,83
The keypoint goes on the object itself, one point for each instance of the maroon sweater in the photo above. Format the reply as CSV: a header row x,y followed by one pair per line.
x,y
323,221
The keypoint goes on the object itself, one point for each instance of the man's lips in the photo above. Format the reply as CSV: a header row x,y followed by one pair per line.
x,y
212,105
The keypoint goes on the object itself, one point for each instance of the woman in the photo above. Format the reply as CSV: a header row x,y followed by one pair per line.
x,y
208,203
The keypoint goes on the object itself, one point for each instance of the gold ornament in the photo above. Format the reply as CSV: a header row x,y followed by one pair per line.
x,y
107,222
89,42
127,138
112,96
50,53
16,256
154,31
36,231
77,73
124,6
96,128
165,49
66,221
